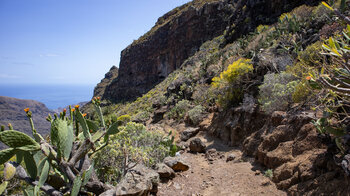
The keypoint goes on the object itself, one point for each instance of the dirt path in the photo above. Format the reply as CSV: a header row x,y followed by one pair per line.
x,y
210,174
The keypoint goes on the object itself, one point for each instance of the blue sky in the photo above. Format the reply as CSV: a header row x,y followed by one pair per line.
x,y
70,41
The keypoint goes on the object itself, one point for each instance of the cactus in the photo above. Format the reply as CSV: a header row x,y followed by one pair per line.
x,y
58,157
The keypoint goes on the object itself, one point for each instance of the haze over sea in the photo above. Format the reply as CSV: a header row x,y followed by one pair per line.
x,y
53,96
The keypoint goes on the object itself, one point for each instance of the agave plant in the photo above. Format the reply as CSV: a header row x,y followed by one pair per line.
x,y
61,164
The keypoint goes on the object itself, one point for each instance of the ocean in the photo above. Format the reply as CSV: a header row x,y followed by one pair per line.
x,y
53,96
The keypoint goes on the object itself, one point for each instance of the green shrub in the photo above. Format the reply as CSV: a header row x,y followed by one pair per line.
x,y
133,144
228,84
196,114
276,91
180,109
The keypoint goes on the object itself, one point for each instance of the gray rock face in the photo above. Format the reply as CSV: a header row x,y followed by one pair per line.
x,y
196,145
188,133
164,171
140,181
176,163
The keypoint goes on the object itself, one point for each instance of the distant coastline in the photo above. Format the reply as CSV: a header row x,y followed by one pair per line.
x,y
52,95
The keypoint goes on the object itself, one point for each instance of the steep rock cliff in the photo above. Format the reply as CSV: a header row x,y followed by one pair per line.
x,y
109,77
176,36
179,34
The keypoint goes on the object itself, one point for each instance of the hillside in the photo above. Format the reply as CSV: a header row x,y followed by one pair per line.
x,y
11,111
253,84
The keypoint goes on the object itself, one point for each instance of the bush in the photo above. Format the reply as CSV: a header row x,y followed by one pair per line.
x,y
180,109
228,84
276,91
133,144
124,118
196,114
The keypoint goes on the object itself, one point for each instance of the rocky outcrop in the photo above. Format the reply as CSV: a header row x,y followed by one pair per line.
x,y
109,77
176,36
11,111
287,143
179,34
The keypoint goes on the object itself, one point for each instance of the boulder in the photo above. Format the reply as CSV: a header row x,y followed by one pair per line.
x,y
164,171
140,181
196,145
188,133
176,163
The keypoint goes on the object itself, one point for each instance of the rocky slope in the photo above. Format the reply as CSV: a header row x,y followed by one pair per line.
x,y
109,77
178,35
301,160
11,111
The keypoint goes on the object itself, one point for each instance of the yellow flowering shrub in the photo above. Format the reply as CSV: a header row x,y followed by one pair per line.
x,y
233,72
227,84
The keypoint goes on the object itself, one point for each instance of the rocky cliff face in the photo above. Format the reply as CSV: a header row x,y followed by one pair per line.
x,y
11,111
109,77
176,36
179,34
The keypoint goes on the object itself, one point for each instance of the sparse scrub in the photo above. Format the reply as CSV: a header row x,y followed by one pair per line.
x,y
276,91
196,114
132,145
180,109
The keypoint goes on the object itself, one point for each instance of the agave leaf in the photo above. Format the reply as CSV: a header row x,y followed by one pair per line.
x,y
6,155
83,124
335,131
43,176
339,144
327,6
331,43
76,186
16,139
92,125
28,192
3,186
325,46
30,165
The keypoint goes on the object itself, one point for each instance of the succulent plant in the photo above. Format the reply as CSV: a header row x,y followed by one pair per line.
x,y
62,165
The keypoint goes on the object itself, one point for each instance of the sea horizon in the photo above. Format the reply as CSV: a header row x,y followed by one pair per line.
x,y
54,96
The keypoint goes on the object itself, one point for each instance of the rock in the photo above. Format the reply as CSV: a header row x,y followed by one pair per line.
x,y
183,145
164,171
188,133
230,157
109,77
176,163
277,117
110,192
176,36
159,114
138,181
196,145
